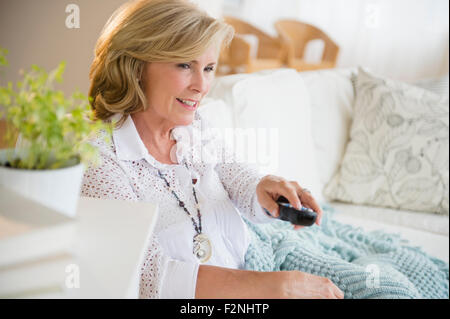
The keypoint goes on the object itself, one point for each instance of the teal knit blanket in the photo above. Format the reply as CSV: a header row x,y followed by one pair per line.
x,y
362,264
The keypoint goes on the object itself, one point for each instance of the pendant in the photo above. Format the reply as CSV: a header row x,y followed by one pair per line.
x,y
202,247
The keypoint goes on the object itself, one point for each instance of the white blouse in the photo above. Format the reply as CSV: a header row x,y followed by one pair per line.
x,y
225,188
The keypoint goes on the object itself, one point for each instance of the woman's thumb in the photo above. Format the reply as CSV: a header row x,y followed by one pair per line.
x,y
269,204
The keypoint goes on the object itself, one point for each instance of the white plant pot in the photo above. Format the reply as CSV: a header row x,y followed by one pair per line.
x,y
58,189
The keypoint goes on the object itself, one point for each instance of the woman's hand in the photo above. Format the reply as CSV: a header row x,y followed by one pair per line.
x,y
271,187
301,285
220,282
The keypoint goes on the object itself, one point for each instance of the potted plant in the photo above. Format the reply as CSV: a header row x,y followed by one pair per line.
x,y
51,130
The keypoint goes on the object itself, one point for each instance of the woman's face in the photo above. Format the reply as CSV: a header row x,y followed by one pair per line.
x,y
174,90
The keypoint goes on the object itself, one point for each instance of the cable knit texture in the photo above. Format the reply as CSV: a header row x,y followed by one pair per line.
x,y
363,265
223,185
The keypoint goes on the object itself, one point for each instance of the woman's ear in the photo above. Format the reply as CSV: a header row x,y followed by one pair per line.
x,y
142,75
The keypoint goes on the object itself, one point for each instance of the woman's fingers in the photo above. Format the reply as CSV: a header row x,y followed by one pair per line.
x,y
289,191
297,284
339,293
308,201
270,188
267,202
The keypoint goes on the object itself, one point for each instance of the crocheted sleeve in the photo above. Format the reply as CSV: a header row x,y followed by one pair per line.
x,y
160,275
107,181
238,178
240,181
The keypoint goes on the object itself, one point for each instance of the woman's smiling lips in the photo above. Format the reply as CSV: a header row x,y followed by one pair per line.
x,y
189,107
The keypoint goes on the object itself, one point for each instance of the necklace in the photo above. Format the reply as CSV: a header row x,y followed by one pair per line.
x,y
202,248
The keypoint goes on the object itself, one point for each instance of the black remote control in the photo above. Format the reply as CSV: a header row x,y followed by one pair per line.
x,y
303,217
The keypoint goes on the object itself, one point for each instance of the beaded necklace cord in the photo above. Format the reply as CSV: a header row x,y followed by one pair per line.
x,y
202,245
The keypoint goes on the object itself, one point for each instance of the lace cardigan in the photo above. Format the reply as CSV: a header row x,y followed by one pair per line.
x,y
225,189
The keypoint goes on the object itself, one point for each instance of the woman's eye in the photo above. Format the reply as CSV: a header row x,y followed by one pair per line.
x,y
184,66
187,66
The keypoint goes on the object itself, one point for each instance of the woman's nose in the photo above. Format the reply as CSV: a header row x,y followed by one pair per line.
x,y
199,83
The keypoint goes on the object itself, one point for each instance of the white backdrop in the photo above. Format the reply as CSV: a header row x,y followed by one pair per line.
x,y
402,39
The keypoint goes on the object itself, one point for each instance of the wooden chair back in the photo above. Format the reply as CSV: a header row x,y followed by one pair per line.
x,y
297,34
239,52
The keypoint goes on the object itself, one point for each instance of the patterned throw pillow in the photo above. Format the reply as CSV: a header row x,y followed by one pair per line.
x,y
398,153
436,85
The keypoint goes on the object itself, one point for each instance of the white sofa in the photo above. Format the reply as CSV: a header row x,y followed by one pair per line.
x,y
298,124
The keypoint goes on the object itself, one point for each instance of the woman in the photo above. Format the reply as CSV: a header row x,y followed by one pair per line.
x,y
154,62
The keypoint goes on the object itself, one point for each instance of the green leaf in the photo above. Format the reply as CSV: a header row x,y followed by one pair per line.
x,y
60,71
53,127
3,54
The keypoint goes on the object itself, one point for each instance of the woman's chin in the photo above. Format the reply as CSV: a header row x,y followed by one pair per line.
x,y
186,120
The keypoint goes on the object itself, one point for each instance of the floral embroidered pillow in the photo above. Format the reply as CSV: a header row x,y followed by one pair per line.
x,y
398,152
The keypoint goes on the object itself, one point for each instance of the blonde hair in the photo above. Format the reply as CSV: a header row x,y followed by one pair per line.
x,y
147,31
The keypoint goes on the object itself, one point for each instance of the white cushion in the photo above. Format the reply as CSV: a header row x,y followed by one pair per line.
x,y
332,96
416,228
218,114
437,224
271,110
437,85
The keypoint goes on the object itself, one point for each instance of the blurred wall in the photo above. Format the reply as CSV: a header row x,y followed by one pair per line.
x,y
35,32
402,39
